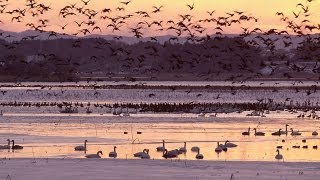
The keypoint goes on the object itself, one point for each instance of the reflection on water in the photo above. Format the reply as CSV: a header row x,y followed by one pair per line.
x,y
51,140
58,134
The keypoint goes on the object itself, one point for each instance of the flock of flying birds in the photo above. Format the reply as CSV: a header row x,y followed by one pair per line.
x,y
187,25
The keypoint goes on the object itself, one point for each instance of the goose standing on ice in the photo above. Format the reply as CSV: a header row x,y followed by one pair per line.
x,y
228,144
161,148
258,133
199,156
113,153
94,155
278,156
15,146
184,148
81,148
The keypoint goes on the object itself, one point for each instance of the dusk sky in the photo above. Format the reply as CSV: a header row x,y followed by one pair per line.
x,y
264,10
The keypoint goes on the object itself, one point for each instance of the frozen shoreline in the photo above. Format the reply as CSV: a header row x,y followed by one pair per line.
x,y
156,169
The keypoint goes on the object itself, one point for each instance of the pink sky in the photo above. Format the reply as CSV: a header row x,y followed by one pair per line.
x,y
264,10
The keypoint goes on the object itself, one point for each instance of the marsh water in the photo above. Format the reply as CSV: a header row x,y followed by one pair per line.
x,y
46,133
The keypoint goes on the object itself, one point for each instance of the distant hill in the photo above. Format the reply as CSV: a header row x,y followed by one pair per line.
x,y
17,36
230,57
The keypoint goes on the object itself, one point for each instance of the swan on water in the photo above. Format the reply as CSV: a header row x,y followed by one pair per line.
x,y
295,133
161,148
81,148
199,156
258,133
286,131
218,148
6,146
277,133
145,155
175,151
113,153
139,154
184,148
228,144
246,133
15,146
167,155
195,149
278,156
94,155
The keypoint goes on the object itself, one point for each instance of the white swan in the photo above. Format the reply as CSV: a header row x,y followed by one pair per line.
x,y
258,133
139,154
6,146
218,148
184,148
295,133
161,148
113,153
81,148
195,149
228,144
278,156
199,156
314,133
145,155
94,155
